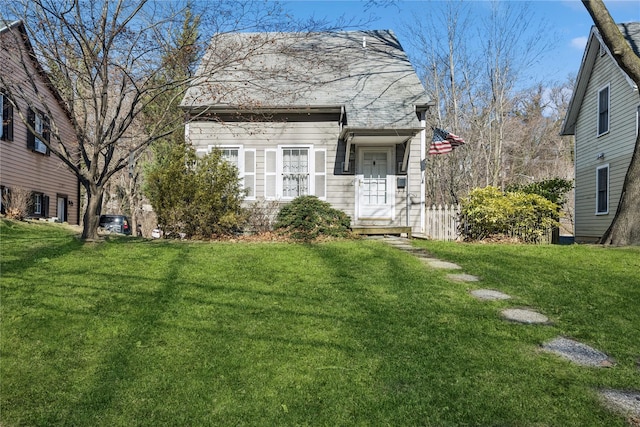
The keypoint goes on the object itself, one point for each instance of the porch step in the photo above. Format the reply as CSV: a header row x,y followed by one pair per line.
x,y
371,230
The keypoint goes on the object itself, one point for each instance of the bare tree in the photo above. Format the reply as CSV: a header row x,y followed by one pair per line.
x,y
625,227
105,59
475,90
101,57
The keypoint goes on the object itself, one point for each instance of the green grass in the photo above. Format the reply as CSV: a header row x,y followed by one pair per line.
x,y
134,332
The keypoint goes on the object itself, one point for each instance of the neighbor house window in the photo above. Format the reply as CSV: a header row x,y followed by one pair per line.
x,y
37,204
603,110
602,190
40,123
6,118
291,172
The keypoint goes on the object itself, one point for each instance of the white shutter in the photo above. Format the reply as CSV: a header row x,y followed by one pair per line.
x,y
250,173
270,169
320,174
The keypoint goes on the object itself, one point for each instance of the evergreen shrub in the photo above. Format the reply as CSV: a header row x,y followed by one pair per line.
x,y
307,218
195,197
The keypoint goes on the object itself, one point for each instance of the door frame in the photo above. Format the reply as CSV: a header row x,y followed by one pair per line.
x,y
389,212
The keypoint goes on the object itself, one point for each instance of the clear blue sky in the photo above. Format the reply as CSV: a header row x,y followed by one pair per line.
x,y
569,19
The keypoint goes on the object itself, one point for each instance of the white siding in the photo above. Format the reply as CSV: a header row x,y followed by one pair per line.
x,y
614,147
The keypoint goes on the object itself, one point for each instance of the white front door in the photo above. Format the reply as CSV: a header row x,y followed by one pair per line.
x,y
374,184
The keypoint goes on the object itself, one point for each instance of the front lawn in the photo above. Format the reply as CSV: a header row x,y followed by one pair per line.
x,y
134,332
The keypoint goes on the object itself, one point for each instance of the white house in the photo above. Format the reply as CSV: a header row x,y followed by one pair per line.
x,y
339,115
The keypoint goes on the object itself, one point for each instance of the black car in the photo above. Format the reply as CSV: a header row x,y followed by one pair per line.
x,y
115,224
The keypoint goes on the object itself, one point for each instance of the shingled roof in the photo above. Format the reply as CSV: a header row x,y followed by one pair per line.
x,y
365,74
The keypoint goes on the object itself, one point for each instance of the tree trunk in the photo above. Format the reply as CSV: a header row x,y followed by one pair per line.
x,y
91,217
625,227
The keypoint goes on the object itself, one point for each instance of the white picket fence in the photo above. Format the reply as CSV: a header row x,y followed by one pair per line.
x,y
441,222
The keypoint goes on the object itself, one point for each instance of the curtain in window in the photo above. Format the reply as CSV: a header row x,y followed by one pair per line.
x,y
295,172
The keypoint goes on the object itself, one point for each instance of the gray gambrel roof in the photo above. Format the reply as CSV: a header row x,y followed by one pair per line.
x,y
631,32
364,74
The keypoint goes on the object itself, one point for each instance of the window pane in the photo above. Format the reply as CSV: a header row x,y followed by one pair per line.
x,y
603,197
230,155
295,172
603,111
37,204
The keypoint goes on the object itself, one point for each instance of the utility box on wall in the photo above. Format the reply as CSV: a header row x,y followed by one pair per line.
x,y
402,182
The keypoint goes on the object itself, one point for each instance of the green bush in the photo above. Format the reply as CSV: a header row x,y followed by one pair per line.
x,y
307,218
553,189
489,212
195,197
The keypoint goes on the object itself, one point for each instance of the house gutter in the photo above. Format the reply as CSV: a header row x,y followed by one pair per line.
x,y
197,110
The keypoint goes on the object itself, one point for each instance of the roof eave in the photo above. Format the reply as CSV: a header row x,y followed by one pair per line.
x,y
582,80
237,109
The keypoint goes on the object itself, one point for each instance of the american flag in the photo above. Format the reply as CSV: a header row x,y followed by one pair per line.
x,y
444,142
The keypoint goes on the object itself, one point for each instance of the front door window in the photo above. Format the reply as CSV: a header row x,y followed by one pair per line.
x,y
374,182
374,177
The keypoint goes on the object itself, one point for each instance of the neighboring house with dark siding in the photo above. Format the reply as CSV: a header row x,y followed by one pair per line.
x,y
25,161
604,117
338,115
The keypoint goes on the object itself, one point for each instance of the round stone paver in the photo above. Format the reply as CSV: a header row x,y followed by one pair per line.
x,y
489,294
577,352
521,315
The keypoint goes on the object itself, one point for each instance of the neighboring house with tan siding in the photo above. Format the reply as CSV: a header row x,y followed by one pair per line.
x,y
338,115
604,117
25,161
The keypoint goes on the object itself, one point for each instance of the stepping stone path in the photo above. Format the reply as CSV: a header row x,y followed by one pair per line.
x,y
442,265
489,294
521,315
625,402
463,277
578,353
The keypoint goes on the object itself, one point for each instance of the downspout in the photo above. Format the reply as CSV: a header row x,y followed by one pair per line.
x,y
423,157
